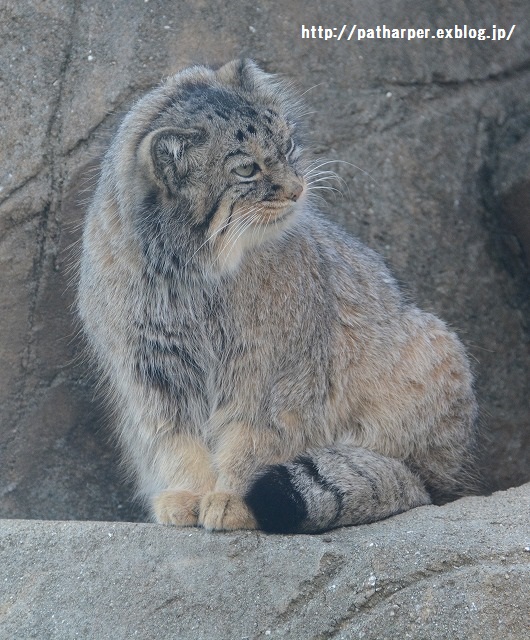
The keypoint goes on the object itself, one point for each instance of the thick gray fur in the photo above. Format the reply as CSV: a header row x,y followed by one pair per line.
x,y
238,331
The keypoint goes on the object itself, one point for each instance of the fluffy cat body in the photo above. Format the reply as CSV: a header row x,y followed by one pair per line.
x,y
264,368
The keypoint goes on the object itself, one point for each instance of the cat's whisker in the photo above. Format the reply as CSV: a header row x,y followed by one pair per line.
x,y
324,179
359,169
227,224
311,89
247,222
238,224
241,222
313,173
349,164
317,176
317,200
258,231
231,222
327,188
317,170
310,186
318,162
261,228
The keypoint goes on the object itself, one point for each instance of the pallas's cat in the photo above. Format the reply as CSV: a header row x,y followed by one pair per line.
x,y
263,368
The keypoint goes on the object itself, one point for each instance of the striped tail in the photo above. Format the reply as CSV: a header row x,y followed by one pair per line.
x,y
333,487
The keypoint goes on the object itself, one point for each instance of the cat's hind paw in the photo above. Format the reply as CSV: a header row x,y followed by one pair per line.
x,y
179,508
225,512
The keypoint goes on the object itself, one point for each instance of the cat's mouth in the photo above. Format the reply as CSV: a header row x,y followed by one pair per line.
x,y
278,204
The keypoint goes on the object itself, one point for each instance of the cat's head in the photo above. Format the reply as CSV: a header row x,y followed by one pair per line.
x,y
216,161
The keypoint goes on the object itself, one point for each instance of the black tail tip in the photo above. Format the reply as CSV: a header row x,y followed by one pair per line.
x,y
275,502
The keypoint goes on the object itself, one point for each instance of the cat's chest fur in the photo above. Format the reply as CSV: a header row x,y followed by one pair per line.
x,y
177,341
198,346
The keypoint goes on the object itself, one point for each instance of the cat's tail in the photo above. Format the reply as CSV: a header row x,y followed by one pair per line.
x,y
333,487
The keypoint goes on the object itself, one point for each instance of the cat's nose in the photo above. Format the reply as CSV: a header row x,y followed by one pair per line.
x,y
295,191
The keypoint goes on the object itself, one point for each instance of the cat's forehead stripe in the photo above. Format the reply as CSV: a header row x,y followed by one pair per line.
x,y
222,102
227,105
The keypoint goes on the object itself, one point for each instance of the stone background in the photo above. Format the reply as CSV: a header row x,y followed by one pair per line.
x,y
439,131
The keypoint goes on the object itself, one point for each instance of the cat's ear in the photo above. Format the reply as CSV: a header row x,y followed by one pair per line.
x,y
243,72
165,154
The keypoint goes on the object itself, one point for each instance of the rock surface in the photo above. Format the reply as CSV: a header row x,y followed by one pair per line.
x,y
440,132
461,571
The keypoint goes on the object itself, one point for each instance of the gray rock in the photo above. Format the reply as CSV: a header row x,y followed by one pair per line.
x,y
438,128
461,571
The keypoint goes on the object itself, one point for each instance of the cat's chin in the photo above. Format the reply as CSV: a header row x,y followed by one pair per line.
x,y
274,221
263,231
275,216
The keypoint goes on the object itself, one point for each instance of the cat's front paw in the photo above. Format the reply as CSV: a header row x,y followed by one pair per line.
x,y
225,512
179,508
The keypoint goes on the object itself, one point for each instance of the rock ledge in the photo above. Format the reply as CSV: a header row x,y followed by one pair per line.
x,y
458,571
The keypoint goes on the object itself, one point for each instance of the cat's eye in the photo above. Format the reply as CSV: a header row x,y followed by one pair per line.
x,y
247,170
